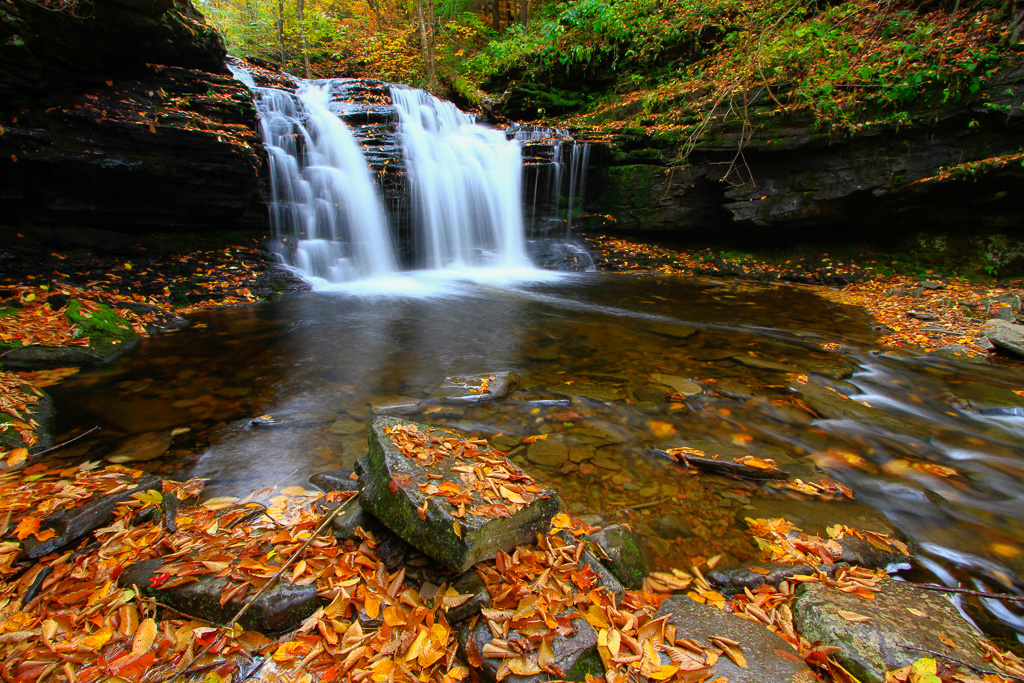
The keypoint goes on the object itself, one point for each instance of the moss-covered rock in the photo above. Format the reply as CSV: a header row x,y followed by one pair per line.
x,y
395,488
619,550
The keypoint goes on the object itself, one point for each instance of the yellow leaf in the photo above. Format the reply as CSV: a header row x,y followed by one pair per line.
x,y
854,617
98,639
664,672
144,637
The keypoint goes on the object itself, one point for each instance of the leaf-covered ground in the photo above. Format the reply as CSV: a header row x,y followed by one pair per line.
x,y
67,618
922,309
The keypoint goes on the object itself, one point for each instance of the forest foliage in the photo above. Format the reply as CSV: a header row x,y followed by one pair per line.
x,y
845,63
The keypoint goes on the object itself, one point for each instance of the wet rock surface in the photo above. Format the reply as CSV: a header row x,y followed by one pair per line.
x,y
619,550
476,388
568,650
77,523
1006,337
900,618
770,659
282,608
389,488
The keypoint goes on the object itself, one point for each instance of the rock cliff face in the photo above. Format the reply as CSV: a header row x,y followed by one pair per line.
x,y
963,169
120,117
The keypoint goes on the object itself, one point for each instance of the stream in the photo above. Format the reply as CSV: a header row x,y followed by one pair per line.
x,y
930,447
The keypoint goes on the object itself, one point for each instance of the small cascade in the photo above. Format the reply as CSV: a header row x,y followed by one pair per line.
x,y
325,208
466,186
558,169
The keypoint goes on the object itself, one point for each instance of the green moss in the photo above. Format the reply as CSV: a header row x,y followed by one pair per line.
x,y
105,329
588,663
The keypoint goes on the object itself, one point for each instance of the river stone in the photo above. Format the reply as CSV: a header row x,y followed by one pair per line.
x,y
346,425
43,413
353,517
75,524
903,617
711,355
765,364
832,406
594,392
1006,337
461,389
389,489
680,385
672,330
567,650
732,580
398,405
835,369
334,480
142,448
733,389
549,452
282,608
620,552
770,658
469,583
672,525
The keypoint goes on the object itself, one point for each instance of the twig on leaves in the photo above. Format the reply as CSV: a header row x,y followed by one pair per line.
x,y
968,591
959,661
51,449
273,580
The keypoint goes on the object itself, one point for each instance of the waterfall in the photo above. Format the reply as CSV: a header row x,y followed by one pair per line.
x,y
467,186
559,153
325,209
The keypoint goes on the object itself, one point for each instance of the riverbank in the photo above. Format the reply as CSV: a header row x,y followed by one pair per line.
x,y
308,585
916,306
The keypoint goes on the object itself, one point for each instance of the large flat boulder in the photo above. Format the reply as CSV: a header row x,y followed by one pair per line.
x,y
456,499
769,658
895,629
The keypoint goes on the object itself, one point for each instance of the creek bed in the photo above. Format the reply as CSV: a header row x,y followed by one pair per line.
x,y
612,367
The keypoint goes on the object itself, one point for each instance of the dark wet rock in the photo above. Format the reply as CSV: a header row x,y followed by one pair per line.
x,y
278,281
36,357
680,385
75,524
729,468
712,355
142,448
162,319
282,608
471,584
766,364
1007,337
467,389
672,525
832,368
927,284
353,517
347,425
981,396
43,413
902,617
733,389
394,405
619,550
565,256
922,315
863,553
334,480
815,516
833,406
567,650
549,452
676,330
953,352
770,659
264,421
594,392
731,580
389,489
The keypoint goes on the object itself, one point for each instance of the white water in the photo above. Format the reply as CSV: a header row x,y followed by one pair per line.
x,y
467,186
324,206
567,154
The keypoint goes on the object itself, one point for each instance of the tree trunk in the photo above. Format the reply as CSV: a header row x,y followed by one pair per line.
x,y
524,12
279,24
300,7
376,10
496,15
426,31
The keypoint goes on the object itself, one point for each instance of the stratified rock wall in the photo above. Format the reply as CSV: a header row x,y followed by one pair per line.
x,y
960,168
120,115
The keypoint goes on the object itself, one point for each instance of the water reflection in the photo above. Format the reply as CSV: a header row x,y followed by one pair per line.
x,y
612,367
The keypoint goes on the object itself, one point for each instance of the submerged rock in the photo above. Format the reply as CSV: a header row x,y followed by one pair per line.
x,y
429,487
476,388
75,524
770,659
334,480
900,620
283,607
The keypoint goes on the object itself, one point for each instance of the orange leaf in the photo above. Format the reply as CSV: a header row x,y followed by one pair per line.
x,y
26,528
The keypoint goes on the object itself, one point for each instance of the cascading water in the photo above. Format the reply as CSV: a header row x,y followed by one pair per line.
x,y
324,207
467,186
562,153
